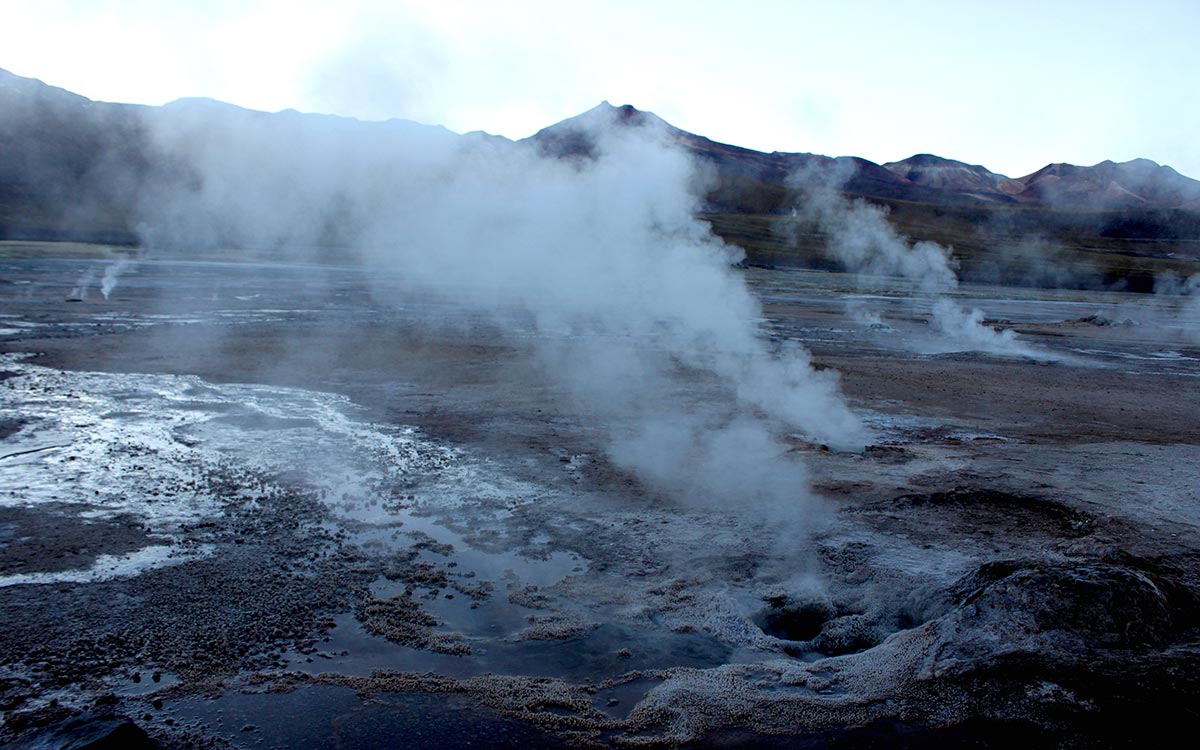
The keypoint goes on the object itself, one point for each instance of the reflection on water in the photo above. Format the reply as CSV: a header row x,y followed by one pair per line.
x,y
326,717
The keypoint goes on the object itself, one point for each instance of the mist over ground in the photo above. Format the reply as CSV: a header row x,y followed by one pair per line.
x,y
860,238
600,258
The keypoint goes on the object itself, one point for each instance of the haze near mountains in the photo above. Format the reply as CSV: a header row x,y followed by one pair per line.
x,y
72,168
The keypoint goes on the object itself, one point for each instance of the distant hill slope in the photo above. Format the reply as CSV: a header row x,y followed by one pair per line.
x,y
71,168
67,164
1133,184
923,177
927,170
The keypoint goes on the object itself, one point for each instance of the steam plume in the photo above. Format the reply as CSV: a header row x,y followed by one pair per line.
x,y
80,291
859,236
1185,294
635,308
111,273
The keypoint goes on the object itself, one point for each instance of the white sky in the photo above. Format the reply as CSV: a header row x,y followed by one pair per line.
x,y
1011,85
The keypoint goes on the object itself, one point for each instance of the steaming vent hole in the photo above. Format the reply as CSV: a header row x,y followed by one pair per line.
x,y
792,622
817,630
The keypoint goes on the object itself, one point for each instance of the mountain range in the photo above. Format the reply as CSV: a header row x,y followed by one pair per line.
x,y
69,166
1137,184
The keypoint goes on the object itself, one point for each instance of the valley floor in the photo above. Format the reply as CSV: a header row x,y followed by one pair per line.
x,y
280,506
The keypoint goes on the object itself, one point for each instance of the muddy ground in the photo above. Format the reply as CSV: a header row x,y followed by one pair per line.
x,y
276,506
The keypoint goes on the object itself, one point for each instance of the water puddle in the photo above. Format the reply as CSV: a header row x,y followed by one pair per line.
x,y
330,717
106,567
618,701
605,651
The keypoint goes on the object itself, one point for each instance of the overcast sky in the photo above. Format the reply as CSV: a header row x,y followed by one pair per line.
x,y
1011,85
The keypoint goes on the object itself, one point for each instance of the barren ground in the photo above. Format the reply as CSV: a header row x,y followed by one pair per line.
x,y
275,506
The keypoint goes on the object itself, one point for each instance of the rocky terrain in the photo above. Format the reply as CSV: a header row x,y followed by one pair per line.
x,y
415,534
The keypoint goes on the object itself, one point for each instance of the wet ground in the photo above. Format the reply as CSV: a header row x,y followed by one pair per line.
x,y
279,505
